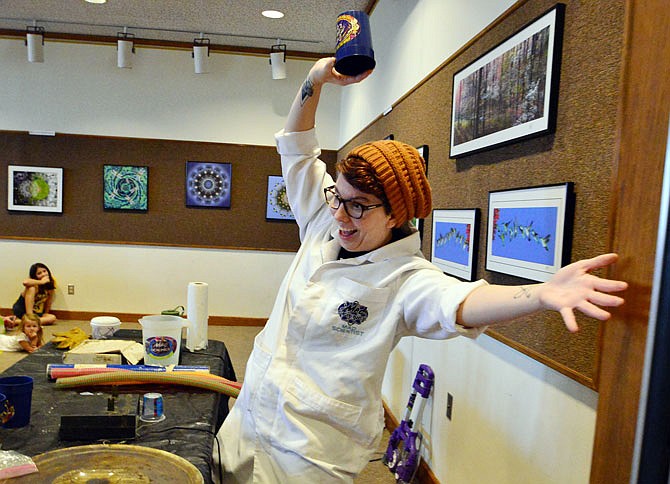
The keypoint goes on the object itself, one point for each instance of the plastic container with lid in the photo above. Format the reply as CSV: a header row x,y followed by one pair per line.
x,y
104,327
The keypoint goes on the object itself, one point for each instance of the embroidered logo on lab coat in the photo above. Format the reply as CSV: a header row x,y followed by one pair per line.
x,y
352,312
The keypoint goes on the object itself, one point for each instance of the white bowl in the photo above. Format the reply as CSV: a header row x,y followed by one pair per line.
x,y
103,327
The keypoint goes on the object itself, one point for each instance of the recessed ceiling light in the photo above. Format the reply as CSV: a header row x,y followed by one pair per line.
x,y
272,14
96,1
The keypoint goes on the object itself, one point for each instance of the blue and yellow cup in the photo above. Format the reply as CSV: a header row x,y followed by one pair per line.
x,y
354,54
6,409
19,393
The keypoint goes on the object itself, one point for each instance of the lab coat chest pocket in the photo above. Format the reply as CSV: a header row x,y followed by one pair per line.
x,y
346,313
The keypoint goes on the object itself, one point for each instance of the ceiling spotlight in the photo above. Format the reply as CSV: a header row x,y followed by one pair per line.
x,y
35,43
96,1
272,14
200,55
125,48
278,61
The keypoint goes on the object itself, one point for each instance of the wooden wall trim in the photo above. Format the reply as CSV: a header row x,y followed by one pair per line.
x,y
642,134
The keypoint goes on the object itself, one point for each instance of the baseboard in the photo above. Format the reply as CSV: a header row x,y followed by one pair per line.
x,y
132,317
423,475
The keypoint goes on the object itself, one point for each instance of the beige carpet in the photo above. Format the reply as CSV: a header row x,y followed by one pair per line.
x,y
239,342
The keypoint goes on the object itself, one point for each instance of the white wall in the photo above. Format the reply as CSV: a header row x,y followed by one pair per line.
x,y
514,420
79,90
144,279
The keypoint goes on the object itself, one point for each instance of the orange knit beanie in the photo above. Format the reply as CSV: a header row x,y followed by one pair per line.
x,y
402,172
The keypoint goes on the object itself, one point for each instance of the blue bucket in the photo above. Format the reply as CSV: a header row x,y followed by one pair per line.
x,y
354,54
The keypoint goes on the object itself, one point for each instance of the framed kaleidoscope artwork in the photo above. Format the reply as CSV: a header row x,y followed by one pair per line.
x,y
277,206
125,187
530,230
455,236
208,184
35,189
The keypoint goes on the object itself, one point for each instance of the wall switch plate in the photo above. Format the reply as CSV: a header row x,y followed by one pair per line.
x,y
70,289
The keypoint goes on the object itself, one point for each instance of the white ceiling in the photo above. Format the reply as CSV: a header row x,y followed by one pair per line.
x,y
308,26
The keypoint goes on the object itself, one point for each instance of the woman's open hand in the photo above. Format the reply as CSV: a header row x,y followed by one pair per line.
x,y
574,287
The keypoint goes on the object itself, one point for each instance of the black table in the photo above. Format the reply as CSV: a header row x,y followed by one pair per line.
x,y
193,415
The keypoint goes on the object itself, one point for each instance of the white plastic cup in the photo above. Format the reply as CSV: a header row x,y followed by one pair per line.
x,y
103,327
161,336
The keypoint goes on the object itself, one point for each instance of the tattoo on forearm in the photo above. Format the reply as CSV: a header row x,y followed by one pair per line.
x,y
307,91
523,291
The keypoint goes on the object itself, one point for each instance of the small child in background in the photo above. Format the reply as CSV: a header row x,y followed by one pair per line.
x,y
29,337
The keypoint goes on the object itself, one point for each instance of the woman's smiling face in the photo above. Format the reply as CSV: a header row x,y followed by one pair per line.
x,y
367,233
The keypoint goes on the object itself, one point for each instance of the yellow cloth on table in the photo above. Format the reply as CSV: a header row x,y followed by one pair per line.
x,y
69,339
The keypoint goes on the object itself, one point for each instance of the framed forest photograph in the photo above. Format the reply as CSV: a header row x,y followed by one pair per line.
x,y
511,92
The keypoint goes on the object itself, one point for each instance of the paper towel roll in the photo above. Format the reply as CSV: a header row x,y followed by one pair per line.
x,y
197,312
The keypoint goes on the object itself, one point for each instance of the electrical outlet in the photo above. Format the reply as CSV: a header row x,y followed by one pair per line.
x,y
70,289
450,405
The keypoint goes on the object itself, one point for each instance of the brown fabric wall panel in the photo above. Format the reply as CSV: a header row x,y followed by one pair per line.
x,y
167,221
581,151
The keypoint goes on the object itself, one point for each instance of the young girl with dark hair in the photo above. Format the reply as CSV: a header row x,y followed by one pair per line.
x,y
37,295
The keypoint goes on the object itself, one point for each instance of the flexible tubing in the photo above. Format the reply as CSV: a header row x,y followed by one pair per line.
x,y
58,373
198,380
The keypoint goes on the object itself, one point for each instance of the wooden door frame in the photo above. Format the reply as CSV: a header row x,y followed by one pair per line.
x,y
638,168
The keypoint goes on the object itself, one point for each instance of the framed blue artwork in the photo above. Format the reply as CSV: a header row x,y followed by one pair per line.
x,y
125,187
277,206
454,244
530,230
208,184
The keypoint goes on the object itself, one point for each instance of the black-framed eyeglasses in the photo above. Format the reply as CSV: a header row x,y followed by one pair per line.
x,y
353,209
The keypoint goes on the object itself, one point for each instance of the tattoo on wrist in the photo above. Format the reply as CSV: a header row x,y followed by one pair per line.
x,y
523,291
306,91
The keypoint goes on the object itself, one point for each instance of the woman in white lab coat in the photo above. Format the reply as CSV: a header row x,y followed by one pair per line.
x,y
310,408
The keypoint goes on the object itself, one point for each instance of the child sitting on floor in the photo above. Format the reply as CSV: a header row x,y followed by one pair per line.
x,y
29,337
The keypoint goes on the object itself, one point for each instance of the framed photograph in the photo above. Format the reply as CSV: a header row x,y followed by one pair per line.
x,y
511,92
277,206
208,184
125,187
530,230
35,189
455,236
418,222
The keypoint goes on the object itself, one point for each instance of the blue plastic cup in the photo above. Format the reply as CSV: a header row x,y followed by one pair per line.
x,y
19,393
354,54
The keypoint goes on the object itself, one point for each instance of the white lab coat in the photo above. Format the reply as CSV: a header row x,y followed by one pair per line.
x,y
310,409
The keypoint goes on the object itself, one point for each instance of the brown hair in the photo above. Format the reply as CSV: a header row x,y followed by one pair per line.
x,y
360,175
